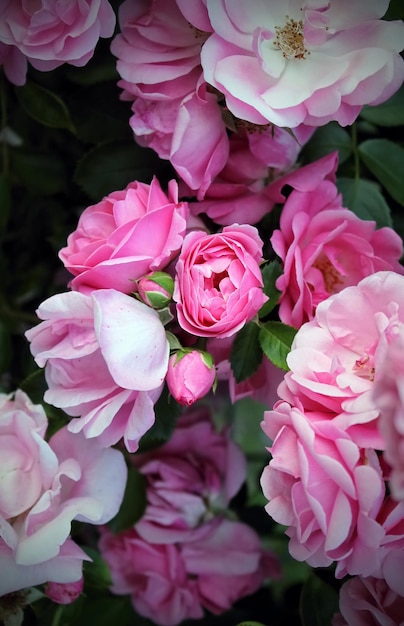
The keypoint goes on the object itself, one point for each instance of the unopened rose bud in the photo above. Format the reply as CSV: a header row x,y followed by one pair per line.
x,y
190,375
156,290
64,593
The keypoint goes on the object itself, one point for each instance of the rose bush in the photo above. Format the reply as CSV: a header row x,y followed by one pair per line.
x,y
369,600
50,34
293,63
44,486
218,283
124,236
105,359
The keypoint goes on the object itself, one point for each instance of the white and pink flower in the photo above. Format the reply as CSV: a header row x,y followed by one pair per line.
x,y
301,62
43,488
105,359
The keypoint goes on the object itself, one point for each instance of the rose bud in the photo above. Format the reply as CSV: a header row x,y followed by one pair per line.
x,y
156,290
190,375
64,593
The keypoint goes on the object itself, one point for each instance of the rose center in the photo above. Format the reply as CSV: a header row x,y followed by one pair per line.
x,y
333,280
289,39
364,366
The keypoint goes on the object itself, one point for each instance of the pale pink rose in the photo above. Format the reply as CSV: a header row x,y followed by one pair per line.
x,y
336,357
325,489
158,53
218,284
190,376
189,479
171,582
158,50
298,62
14,64
323,246
64,593
364,601
390,562
43,488
50,34
388,394
105,359
127,234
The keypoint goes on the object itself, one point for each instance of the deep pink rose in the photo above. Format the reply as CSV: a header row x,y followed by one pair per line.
x,y
171,582
64,593
52,33
189,479
369,600
218,284
190,376
335,358
105,359
299,62
325,489
127,234
44,487
323,246
388,394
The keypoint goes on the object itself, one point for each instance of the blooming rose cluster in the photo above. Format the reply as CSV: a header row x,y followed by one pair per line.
x,y
184,555
336,436
44,486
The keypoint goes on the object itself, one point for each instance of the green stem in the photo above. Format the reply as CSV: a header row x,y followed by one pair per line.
x,y
57,615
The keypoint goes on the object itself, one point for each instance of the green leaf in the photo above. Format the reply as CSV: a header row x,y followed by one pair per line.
x,y
38,172
133,504
363,197
318,602
111,166
96,572
44,106
250,624
270,273
327,139
385,160
389,113
276,339
246,353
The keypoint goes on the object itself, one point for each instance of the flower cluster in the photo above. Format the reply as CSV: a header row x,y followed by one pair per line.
x,y
248,272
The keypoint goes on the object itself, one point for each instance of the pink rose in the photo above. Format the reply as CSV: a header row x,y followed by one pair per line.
x,y
369,601
64,593
13,63
218,284
336,357
388,397
127,234
158,50
45,486
105,359
189,479
190,375
294,63
323,246
325,489
171,582
156,289
50,34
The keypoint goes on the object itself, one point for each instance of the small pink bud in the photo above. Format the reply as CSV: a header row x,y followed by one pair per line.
x,y
190,375
64,593
156,290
